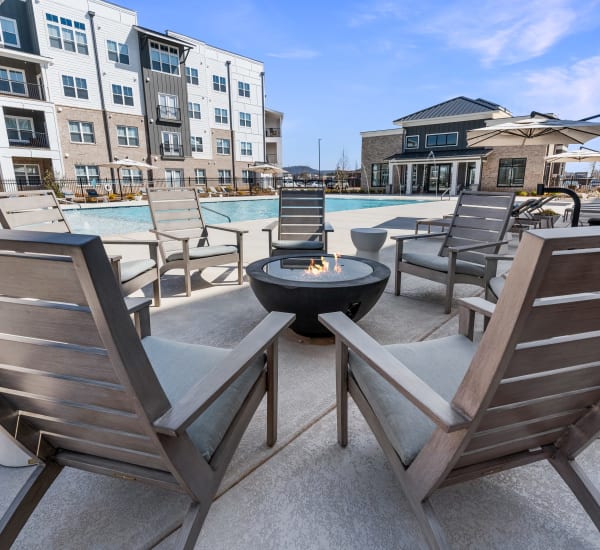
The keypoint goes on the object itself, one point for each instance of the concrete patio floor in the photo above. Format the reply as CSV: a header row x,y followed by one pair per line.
x,y
307,492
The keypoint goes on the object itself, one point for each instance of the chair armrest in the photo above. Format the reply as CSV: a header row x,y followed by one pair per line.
x,y
140,309
418,392
478,305
468,247
328,227
271,226
202,394
467,308
174,236
147,242
230,229
419,236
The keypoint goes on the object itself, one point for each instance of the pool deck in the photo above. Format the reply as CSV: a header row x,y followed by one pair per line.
x,y
307,492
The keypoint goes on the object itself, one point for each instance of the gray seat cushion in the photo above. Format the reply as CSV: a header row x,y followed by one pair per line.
x,y
205,252
441,363
298,245
179,366
133,268
496,284
440,263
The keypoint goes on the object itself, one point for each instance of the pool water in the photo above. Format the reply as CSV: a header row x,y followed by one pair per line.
x,y
132,219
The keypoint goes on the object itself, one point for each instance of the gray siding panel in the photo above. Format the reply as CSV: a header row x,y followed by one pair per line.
x,y
18,10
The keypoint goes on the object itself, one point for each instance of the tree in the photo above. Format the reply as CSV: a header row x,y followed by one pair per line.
x,y
342,167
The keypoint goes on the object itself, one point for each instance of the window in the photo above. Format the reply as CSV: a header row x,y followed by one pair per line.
x,y
122,95
10,34
191,75
411,142
171,144
223,146
194,110
219,83
379,175
27,174
173,178
20,130
164,59
87,174
200,176
245,120
441,140
221,116
243,89
511,172
246,148
131,175
75,87
224,176
117,52
197,146
12,81
128,136
248,176
81,132
168,107
66,34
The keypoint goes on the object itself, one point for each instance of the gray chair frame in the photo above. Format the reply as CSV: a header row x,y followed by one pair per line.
x,y
79,390
40,210
529,393
476,229
301,219
179,226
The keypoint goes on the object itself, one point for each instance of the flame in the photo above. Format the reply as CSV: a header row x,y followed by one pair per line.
x,y
316,269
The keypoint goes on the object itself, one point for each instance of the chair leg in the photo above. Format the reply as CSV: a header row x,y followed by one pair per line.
x,y
188,280
25,502
341,354
156,291
272,382
449,293
192,523
585,491
430,526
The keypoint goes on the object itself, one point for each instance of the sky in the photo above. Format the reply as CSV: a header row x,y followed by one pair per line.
x,y
336,69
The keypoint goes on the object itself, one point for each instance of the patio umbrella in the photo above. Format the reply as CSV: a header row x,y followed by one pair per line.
x,y
537,129
127,163
581,155
266,168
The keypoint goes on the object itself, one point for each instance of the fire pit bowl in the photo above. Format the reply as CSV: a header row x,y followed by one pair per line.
x,y
300,285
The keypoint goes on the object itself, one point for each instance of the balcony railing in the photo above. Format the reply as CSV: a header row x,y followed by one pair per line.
x,y
271,159
168,114
168,150
273,132
23,89
32,141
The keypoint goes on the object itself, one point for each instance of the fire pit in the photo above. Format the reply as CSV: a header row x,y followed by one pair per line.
x,y
312,284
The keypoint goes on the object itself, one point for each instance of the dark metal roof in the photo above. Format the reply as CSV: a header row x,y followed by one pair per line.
x,y
441,155
454,107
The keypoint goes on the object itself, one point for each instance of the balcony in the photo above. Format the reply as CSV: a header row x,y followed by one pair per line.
x,y
29,140
271,158
273,132
171,151
169,114
21,89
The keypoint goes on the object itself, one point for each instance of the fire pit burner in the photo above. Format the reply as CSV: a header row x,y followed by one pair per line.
x,y
313,284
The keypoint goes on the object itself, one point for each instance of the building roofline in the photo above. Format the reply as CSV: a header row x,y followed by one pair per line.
x,y
197,41
162,36
386,132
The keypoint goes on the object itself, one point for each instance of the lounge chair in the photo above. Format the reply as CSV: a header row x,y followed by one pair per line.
x,y
214,192
81,389
93,195
476,229
446,411
301,226
183,236
41,211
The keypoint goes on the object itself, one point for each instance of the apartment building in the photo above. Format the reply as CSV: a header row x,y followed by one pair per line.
x,y
115,90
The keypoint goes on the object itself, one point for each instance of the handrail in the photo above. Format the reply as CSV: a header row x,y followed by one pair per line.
x,y
216,212
447,191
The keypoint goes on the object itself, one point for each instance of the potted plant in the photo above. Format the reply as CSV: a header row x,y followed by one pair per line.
x,y
550,216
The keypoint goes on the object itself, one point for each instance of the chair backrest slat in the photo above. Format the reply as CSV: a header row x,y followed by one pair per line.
x,y
33,210
302,214
479,217
71,363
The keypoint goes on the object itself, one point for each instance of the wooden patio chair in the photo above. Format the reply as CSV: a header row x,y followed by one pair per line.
x,y
477,228
183,236
79,388
446,411
40,211
301,226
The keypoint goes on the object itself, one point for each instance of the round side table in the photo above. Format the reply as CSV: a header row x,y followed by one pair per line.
x,y
368,241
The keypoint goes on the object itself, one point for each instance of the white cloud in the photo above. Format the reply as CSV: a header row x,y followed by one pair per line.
x,y
571,92
375,11
517,31
295,54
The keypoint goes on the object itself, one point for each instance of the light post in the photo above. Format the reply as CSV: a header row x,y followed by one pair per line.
x,y
431,155
319,143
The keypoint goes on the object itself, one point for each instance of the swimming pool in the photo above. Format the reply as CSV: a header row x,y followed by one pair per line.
x,y
131,219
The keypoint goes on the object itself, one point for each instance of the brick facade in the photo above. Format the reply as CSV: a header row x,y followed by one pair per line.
x,y
534,168
376,148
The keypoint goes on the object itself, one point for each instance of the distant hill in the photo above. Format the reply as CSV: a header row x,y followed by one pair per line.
x,y
295,170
